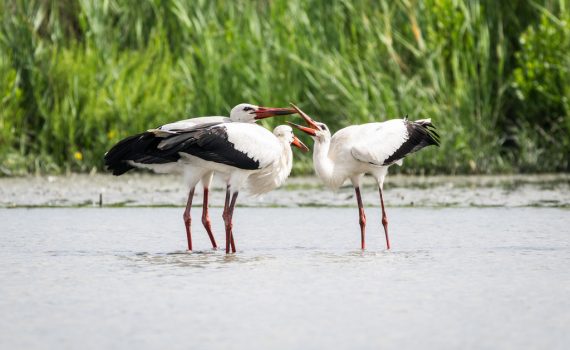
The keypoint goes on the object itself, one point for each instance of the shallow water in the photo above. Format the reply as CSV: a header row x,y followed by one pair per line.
x,y
119,278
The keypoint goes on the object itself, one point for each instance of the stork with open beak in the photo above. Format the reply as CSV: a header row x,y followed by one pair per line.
x,y
236,151
139,151
365,149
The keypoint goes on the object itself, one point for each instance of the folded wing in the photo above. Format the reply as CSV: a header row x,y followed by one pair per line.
x,y
389,142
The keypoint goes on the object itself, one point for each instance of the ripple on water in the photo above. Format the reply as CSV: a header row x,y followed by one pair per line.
x,y
371,255
195,259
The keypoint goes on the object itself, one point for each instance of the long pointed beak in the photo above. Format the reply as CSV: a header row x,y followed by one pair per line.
x,y
304,129
266,112
308,119
300,145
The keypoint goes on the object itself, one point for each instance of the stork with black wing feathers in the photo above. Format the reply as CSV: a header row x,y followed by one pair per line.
x,y
365,149
236,151
140,151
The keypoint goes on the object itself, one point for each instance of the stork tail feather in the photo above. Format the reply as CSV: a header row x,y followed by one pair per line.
x,y
421,133
139,148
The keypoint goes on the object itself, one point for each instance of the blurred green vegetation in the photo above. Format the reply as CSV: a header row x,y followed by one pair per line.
x,y
78,75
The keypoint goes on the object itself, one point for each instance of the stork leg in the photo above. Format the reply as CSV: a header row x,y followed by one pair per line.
x,y
187,219
232,206
224,215
228,215
384,218
362,218
206,218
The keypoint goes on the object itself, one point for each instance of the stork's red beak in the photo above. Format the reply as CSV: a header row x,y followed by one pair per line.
x,y
300,145
266,112
310,122
304,129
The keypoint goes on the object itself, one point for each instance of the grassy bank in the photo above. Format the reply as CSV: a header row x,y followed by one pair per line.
x,y
78,75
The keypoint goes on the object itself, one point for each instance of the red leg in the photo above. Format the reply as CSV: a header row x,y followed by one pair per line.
x,y
232,207
232,242
362,218
206,219
384,219
228,214
187,219
225,217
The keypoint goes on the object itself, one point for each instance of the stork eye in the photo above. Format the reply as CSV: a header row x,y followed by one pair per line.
x,y
245,109
323,126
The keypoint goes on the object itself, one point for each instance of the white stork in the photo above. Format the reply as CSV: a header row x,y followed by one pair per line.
x,y
365,149
133,152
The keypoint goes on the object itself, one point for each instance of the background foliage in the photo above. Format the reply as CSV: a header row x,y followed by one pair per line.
x,y
78,75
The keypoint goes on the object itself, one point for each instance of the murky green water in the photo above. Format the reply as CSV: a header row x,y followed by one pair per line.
x,y
465,278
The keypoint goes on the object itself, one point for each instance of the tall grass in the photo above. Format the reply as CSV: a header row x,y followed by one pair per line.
x,y
78,75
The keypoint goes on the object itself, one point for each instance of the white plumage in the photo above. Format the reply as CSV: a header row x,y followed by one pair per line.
x,y
255,141
377,141
128,154
189,123
278,171
365,149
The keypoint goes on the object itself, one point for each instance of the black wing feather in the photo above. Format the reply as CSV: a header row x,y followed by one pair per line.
x,y
421,134
140,148
207,141
212,144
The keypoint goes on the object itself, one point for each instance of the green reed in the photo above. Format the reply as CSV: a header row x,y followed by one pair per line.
x,y
78,75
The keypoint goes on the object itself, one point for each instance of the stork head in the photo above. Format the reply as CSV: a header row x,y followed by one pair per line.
x,y
248,113
317,130
285,133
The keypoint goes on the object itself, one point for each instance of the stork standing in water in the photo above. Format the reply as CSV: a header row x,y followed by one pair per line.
x,y
137,152
234,150
365,149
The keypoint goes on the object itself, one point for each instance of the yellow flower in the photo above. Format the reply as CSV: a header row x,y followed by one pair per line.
x,y
78,155
111,134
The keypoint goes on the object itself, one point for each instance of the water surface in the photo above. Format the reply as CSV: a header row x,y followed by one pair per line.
x,y
467,278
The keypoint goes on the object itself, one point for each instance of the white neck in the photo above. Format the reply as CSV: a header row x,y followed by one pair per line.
x,y
286,163
324,166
